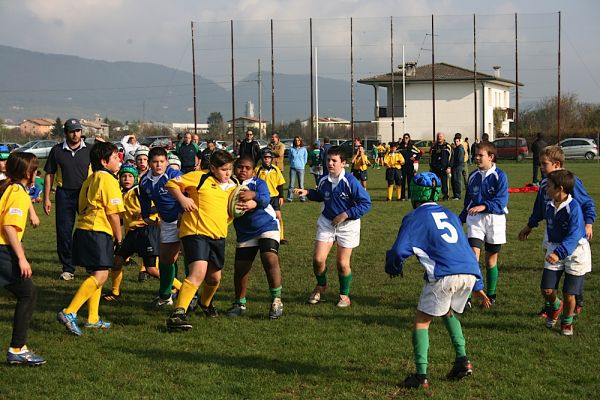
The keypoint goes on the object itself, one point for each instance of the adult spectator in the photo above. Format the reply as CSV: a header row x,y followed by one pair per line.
x,y
130,145
196,139
72,159
249,147
410,154
457,166
485,137
187,151
314,161
536,148
324,150
207,153
441,152
278,150
298,158
473,150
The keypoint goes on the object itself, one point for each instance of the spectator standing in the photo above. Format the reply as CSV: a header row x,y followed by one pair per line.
x,y
457,165
410,154
314,161
278,150
298,158
206,154
441,152
130,144
324,150
72,159
187,151
472,152
536,148
249,146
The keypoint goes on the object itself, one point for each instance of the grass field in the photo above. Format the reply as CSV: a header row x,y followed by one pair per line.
x,y
320,351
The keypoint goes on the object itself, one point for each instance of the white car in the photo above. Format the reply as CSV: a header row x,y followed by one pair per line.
x,y
41,148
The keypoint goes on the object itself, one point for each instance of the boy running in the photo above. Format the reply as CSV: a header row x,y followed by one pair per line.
x,y
345,201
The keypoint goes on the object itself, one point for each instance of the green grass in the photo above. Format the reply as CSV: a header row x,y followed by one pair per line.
x,y
313,351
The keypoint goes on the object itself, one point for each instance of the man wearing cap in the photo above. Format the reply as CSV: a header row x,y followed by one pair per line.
x,y
249,146
187,151
72,159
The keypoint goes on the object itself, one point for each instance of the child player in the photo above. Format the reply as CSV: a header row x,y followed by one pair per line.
x,y
203,231
553,159
272,175
393,162
345,201
152,190
435,235
485,210
97,235
257,230
15,271
140,237
567,250
360,166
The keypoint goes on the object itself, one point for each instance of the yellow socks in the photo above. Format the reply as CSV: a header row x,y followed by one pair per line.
x,y
281,235
177,284
117,278
93,305
186,294
208,292
389,192
85,291
397,193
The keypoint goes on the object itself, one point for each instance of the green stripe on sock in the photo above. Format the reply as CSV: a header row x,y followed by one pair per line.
x,y
456,335
491,277
345,281
566,319
420,340
275,292
322,278
556,304
241,301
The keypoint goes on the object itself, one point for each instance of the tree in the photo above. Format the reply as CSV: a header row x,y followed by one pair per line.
x,y
216,125
57,129
3,130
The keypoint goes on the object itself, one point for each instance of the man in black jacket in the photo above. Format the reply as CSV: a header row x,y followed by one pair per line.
x,y
187,151
249,147
536,148
441,152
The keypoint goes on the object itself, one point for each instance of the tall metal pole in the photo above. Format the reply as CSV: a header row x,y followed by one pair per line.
x,y
232,84
272,84
392,76
351,82
404,131
194,80
558,99
517,86
312,88
260,130
433,74
475,77
317,91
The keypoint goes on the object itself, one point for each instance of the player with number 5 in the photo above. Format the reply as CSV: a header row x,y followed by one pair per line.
x,y
434,234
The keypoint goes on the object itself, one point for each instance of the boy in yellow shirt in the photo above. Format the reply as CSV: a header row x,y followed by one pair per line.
x,y
97,235
360,166
275,181
393,162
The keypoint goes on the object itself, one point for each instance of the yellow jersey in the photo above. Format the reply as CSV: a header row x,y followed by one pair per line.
x,y
393,160
361,163
211,198
14,207
100,196
272,176
132,218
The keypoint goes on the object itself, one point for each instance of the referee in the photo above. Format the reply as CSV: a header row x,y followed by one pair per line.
x,y
71,160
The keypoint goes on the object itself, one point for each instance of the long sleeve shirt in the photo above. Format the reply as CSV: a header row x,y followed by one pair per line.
x,y
341,194
488,188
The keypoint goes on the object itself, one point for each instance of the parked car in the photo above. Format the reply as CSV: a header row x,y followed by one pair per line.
x,y
424,145
507,148
11,146
158,141
348,145
41,148
579,148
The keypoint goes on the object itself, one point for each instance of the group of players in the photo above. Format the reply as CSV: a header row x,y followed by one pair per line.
x,y
165,211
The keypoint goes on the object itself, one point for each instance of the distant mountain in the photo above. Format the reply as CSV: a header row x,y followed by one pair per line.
x,y
34,84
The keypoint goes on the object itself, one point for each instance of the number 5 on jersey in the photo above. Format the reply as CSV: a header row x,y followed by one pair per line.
x,y
441,223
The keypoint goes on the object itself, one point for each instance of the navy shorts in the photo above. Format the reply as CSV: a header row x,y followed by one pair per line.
x,y
9,266
361,175
202,248
393,176
573,284
93,250
144,241
274,202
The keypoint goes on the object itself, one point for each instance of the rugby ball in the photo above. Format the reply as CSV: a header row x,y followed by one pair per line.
x,y
232,208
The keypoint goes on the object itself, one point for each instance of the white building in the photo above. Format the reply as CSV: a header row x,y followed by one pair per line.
x,y
454,102
181,127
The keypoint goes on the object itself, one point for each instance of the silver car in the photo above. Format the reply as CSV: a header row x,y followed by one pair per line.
x,y
41,148
579,148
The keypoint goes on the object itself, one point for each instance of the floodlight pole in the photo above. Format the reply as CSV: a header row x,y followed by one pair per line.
x,y
193,80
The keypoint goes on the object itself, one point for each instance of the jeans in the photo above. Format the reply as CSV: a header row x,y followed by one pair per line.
x,y
457,178
536,169
299,175
26,295
408,171
66,211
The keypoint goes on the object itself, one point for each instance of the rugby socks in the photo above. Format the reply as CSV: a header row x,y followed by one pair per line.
x,y
556,304
241,300
85,291
93,305
398,192
566,319
167,274
177,284
186,294
117,278
275,293
491,277
420,341
321,278
345,281
281,235
389,192
456,335
208,292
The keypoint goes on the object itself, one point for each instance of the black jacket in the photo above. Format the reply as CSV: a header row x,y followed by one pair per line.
x,y
250,148
440,156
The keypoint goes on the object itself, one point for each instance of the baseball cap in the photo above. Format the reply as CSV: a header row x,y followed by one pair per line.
x,y
4,152
72,124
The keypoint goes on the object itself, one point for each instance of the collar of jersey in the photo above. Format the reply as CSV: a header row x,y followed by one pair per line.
x,y
563,204
65,146
490,171
339,178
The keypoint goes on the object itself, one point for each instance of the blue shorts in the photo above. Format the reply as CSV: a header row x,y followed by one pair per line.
x,y
572,284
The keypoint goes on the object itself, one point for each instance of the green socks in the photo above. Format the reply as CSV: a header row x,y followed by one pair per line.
x,y
322,278
566,319
456,335
167,274
556,304
241,301
345,281
491,277
275,292
420,340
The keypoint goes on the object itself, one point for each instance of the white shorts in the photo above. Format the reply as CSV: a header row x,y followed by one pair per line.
x,y
346,234
169,232
254,241
450,292
491,228
579,263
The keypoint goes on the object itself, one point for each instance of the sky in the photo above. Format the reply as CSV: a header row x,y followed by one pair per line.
x,y
158,31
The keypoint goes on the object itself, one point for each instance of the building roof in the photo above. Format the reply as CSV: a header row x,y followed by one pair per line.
x,y
251,119
443,72
40,121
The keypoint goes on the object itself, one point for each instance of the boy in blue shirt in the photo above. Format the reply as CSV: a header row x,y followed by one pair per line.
x,y
345,201
435,235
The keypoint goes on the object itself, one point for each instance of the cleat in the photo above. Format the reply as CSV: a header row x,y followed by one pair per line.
x,y
66,276
158,303
98,325
343,301
462,367
492,298
69,321
415,381
143,276
111,297
193,305
543,313
553,316
178,321
315,296
210,311
566,329
276,310
237,310
25,357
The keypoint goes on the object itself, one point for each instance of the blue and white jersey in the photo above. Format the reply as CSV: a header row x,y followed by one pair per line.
x,y
340,194
152,188
488,188
434,234
260,220
579,193
564,226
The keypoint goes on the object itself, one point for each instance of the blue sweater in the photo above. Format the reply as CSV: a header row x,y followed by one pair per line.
x,y
489,188
348,196
298,157
261,219
564,226
168,208
435,235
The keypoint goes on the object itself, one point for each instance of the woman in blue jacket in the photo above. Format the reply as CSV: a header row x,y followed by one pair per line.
x,y
298,158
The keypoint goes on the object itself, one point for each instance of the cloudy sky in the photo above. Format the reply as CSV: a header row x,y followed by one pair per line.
x,y
158,31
